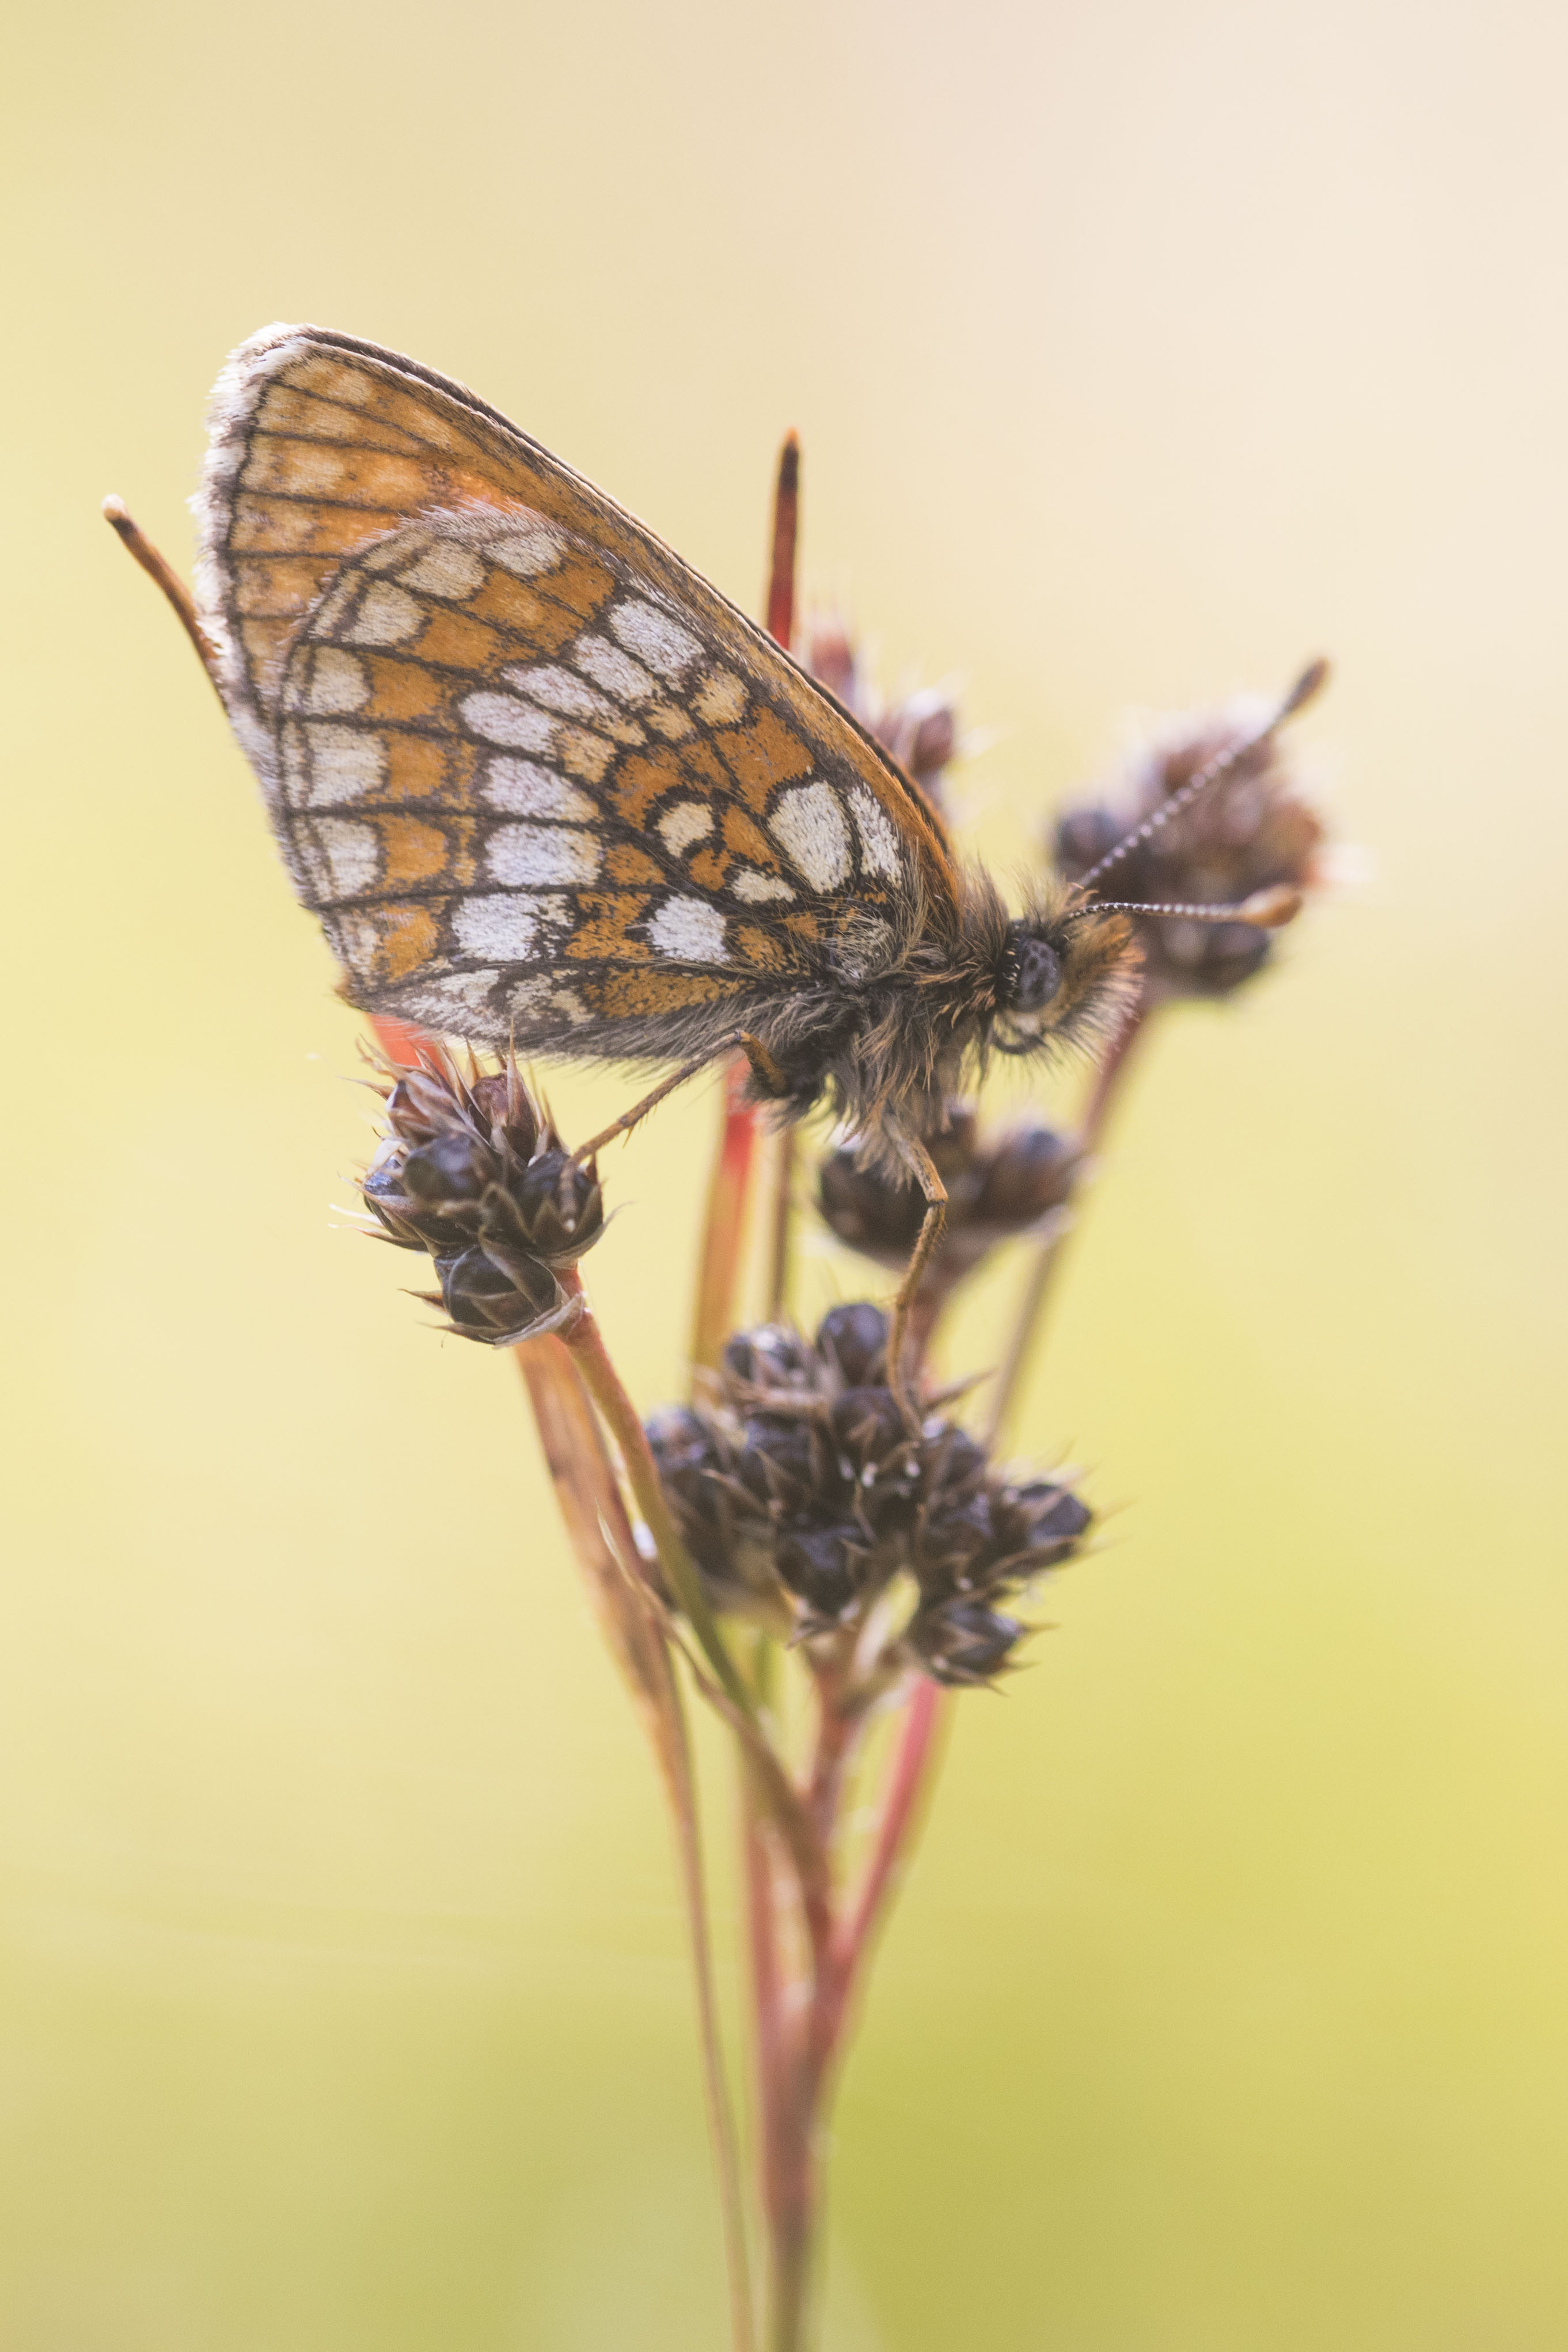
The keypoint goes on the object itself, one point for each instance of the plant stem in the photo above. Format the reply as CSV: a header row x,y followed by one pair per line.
x,y
601,1536
779,1238
587,1345
803,2005
723,1222
1108,1075
919,1750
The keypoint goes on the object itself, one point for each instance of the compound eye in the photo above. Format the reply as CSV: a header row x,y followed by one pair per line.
x,y
1034,974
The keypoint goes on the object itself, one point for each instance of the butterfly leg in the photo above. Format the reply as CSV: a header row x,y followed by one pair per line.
x,y
923,1168
766,1070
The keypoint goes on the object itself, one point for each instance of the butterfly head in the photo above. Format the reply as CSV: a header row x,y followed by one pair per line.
x,y
1064,975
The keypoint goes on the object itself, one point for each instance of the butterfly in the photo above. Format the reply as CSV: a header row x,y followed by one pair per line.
x,y
547,788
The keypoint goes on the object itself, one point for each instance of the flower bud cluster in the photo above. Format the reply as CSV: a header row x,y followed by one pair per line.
x,y
472,1170
1252,829
804,1500
920,731
998,1186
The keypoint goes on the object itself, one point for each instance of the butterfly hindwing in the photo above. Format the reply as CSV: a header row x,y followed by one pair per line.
x,y
537,778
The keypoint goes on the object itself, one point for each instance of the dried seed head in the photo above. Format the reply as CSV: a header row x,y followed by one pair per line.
x,y
921,731
998,1186
471,1169
803,1499
1252,836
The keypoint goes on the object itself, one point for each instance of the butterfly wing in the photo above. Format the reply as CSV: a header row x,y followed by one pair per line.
x,y
539,781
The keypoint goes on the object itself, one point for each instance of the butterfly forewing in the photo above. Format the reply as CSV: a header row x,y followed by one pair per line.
x,y
538,778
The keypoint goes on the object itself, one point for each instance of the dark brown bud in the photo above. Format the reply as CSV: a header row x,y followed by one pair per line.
x,y
964,1642
819,1565
487,1304
693,1465
878,1215
503,1100
552,1209
782,1460
854,1338
1028,1173
454,1168
995,1188
771,1357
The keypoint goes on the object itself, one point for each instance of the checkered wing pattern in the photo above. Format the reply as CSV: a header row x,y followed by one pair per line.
x,y
538,778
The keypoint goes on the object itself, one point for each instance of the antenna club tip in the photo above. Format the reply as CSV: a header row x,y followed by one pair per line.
x,y
1308,687
1270,910
116,513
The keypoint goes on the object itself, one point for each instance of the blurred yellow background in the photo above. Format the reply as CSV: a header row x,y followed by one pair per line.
x,y
1138,351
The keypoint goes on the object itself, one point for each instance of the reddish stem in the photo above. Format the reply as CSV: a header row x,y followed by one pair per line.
x,y
786,533
724,1224
401,1042
918,1747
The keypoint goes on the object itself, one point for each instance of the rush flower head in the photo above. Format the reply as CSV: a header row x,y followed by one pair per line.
x,y
805,1501
998,1186
920,730
472,1170
1254,830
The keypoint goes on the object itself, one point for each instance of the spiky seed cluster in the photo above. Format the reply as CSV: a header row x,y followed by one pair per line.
x,y
1253,830
472,1170
803,1497
998,1186
921,731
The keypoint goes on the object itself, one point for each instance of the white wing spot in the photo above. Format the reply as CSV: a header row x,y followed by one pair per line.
x,y
689,930
357,941
350,856
501,720
543,853
387,616
558,689
809,825
504,925
879,841
611,668
442,1004
757,888
656,636
527,552
346,763
544,996
524,789
337,682
687,821
395,548
447,570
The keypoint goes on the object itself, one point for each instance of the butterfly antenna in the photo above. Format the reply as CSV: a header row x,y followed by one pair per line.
x,y
1311,682
160,569
1266,911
